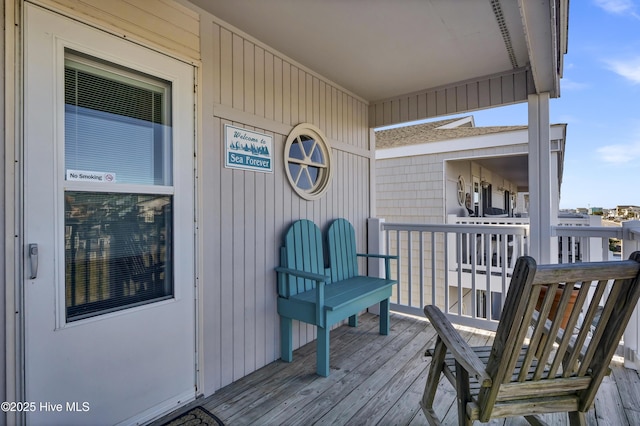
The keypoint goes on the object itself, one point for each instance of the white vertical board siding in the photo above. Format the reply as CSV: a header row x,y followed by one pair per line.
x,y
164,24
468,96
244,214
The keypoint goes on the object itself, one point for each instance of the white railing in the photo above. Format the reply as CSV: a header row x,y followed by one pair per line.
x,y
583,244
465,267
580,239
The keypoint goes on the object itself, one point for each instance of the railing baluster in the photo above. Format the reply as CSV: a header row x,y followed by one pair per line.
x,y
488,248
421,241
433,262
459,270
409,268
398,267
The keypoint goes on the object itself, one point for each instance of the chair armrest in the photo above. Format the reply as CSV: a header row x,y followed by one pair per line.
x,y
303,274
457,346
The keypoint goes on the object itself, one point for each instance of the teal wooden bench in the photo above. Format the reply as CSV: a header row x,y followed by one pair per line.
x,y
312,293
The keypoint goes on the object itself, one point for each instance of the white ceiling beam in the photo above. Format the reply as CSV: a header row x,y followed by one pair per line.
x,y
539,19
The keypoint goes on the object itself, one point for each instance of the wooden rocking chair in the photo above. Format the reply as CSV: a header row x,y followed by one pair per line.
x,y
526,372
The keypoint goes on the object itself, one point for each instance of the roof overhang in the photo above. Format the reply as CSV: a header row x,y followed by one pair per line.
x,y
458,55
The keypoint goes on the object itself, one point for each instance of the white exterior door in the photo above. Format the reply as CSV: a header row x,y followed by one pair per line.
x,y
109,311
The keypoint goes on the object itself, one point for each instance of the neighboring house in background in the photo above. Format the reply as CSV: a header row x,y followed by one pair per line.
x,y
628,212
596,211
424,172
451,171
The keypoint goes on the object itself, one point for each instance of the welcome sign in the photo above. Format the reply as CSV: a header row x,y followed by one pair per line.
x,y
248,150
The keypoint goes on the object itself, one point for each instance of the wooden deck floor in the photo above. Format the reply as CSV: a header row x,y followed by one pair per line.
x,y
378,380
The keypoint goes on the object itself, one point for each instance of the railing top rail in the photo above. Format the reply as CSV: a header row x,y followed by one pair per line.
x,y
491,220
575,220
587,231
458,228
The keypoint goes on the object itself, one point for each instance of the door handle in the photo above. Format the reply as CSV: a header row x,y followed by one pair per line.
x,y
33,260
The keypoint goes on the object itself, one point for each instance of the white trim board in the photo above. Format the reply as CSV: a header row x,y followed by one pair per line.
x,y
515,137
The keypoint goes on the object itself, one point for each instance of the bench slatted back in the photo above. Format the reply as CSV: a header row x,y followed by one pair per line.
x,y
343,259
302,251
572,365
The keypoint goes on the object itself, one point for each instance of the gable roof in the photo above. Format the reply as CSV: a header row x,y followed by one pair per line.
x,y
458,134
434,132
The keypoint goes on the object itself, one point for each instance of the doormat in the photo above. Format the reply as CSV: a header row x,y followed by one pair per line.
x,y
195,416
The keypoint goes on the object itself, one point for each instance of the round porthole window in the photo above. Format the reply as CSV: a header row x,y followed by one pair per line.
x,y
308,161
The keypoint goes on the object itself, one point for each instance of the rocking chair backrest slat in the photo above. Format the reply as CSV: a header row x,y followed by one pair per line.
x,y
613,322
510,326
600,328
565,348
558,331
577,342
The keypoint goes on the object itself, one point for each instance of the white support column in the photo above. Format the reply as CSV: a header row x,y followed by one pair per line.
x,y
540,204
631,243
372,174
554,204
375,245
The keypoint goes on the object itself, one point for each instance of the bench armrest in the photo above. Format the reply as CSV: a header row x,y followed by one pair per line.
x,y
457,346
320,279
381,256
387,259
303,274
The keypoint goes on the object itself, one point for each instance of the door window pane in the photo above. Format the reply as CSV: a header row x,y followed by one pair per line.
x,y
117,124
118,251
118,246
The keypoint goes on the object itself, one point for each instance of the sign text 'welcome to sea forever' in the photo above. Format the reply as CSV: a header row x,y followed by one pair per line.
x,y
248,150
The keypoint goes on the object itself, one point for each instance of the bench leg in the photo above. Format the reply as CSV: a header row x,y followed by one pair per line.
x,y
322,352
286,339
384,317
353,320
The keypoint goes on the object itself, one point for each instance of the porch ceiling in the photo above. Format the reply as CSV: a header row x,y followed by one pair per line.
x,y
380,49
513,168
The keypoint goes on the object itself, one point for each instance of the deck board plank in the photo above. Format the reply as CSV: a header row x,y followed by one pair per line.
x,y
258,395
628,385
375,395
608,405
350,376
344,358
379,380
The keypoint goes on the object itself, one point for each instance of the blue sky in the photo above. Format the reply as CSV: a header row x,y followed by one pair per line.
x,y
600,102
